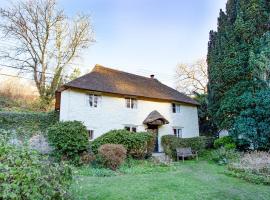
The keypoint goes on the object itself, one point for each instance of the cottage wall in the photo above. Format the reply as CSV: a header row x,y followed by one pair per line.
x,y
112,113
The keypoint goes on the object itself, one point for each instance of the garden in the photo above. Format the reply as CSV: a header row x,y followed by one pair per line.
x,y
47,159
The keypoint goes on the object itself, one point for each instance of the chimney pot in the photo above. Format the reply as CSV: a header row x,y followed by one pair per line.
x,y
152,76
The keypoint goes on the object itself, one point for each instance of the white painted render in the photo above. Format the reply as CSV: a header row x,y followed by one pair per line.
x,y
112,113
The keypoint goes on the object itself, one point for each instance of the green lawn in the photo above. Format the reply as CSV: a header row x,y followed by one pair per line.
x,y
191,180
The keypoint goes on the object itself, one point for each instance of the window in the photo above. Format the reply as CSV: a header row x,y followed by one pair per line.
x,y
90,134
176,108
131,103
94,100
177,132
131,128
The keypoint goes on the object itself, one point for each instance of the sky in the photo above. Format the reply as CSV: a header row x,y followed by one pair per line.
x,y
146,36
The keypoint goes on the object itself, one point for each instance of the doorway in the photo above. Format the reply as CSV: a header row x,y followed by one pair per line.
x,y
154,130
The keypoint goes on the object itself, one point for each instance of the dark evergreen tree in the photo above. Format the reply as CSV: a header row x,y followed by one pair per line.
x,y
238,61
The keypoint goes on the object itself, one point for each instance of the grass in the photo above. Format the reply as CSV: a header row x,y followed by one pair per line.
x,y
144,180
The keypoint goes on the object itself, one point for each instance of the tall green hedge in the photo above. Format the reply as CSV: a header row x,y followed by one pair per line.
x,y
171,142
28,121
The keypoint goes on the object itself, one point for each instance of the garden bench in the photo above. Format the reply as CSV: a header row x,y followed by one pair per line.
x,y
185,152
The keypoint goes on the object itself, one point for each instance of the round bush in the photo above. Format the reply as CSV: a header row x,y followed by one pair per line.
x,y
138,145
226,141
112,155
69,139
25,174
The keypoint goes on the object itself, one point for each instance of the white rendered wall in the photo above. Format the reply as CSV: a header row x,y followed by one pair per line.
x,y
112,113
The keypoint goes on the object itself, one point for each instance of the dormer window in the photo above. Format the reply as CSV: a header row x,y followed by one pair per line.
x,y
131,103
94,100
176,108
131,128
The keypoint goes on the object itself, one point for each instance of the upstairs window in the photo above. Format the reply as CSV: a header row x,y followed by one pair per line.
x,y
131,128
131,103
94,100
176,108
90,134
177,132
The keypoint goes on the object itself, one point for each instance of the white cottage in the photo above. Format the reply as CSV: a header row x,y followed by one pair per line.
x,y
107,99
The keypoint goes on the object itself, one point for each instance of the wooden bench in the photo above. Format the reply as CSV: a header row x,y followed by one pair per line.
x,y
186,152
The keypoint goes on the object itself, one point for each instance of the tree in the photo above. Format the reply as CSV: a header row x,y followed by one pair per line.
x,y
192,78
238,67
44,41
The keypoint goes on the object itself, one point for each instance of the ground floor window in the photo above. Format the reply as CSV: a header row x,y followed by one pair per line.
x,y
131,128
90,134
177,132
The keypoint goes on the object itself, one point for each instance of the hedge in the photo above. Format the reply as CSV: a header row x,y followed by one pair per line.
x,y
28,121
138,144
171,142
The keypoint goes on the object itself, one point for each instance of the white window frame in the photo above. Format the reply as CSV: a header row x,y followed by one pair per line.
x,y
131,103
176,108
94,100
178,132
131,128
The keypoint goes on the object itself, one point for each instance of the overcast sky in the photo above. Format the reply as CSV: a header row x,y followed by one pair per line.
x,y
147,36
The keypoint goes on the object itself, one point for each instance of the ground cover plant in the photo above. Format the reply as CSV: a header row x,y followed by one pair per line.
x,y
253,167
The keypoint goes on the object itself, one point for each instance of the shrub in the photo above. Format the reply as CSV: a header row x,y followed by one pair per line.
x,y
226,141
223,156
138,144
25,174
171,142
253,167
112,155
69,140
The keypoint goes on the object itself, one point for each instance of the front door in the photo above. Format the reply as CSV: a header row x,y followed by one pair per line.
x,y
154,130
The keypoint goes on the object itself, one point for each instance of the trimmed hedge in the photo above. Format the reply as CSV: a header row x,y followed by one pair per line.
x,y
138,145
28,121
171,142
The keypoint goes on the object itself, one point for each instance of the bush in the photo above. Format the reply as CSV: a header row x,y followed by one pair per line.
x,y
226,141
171,142
138,145
223,156
25,174
69,140
253,167
112,155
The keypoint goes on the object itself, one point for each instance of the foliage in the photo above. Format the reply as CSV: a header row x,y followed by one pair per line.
x,y
223,155
206,125
25,174
138,144
112,155
252,166
226,141
69,140
171,142
252,126
29,122
238,68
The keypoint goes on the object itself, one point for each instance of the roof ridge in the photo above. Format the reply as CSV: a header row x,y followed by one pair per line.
x,y
120,71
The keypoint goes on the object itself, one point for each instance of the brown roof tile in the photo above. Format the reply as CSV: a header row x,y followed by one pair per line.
x,y
118,82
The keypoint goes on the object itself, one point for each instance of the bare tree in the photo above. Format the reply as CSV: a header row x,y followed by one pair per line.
x,y
44,41
192,78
